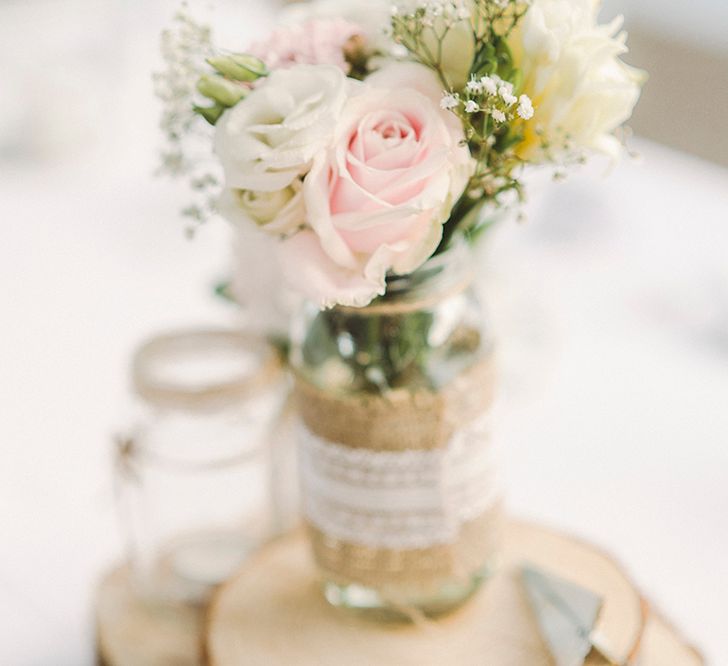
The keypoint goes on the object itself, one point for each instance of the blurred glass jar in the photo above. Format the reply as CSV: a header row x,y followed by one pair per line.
x,y
202,480
399,471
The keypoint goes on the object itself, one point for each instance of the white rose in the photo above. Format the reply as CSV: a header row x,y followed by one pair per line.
x,y
278,213
268,139
580,88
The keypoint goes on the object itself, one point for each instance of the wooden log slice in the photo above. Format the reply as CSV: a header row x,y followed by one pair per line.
x,y
663,646
273,613
133,633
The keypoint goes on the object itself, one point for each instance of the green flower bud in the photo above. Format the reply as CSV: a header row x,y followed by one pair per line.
x,y
220,90
239,67
210,113
251,63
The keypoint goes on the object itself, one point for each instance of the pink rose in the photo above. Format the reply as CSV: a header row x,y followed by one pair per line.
x,y
377,199
315,42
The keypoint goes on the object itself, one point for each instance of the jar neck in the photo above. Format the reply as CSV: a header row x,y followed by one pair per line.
x,y
447,274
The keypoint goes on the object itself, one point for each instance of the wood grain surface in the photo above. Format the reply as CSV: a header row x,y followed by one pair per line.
x,y
273,613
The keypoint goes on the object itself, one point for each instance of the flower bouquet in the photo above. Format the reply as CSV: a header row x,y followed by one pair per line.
x,y
371,144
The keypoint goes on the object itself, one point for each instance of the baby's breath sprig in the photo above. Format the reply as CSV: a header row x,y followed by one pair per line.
x,y
185,154
422,26
490,106
197,81
184,49
497,18
489,110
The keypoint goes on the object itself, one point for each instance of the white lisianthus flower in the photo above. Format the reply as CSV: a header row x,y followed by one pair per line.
x,y
268,140
278,213
579,87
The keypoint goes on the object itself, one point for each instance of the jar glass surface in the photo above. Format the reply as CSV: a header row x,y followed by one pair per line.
x,y
427,327
194,474
398,479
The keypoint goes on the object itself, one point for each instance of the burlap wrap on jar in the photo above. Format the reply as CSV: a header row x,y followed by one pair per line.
x,y
448,524
397,469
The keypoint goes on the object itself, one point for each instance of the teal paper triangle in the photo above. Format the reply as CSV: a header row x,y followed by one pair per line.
x,y
566,614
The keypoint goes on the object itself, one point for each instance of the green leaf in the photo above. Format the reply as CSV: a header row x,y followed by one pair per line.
x,y
506,67
223,290
485,62
473,233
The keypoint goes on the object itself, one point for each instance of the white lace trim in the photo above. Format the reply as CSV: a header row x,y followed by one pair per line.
x,y
398,500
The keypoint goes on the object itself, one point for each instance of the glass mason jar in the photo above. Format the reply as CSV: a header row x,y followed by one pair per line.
x,y
397,473
196,482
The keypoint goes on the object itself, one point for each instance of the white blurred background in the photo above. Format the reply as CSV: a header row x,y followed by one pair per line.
x,y
684,46
612,304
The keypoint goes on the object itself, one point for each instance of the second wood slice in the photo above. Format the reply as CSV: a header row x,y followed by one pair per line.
x,y
274,613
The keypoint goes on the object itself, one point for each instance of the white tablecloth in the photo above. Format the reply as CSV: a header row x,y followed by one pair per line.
x,y
612,303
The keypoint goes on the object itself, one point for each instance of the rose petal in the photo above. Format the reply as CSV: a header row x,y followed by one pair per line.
x,y
306,265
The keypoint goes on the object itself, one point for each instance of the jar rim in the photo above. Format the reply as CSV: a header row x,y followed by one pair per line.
x,y
259,366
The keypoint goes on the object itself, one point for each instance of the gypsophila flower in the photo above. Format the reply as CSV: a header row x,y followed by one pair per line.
x,y
474,87
185,48
449,102
490,85
472,107
438,34
429,10
506,93
525,107
498,116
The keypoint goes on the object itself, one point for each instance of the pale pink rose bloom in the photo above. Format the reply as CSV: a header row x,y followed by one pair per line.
x,y
377,199
315,42
307,269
